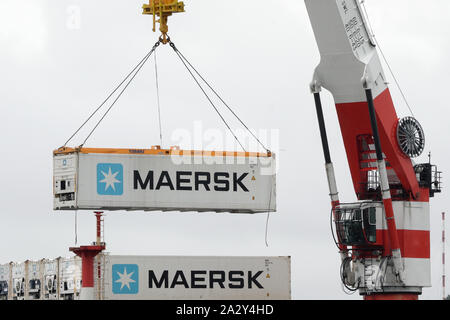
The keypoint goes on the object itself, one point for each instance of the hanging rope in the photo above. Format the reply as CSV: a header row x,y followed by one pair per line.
x,y
268,216
135,70
183,58
267,230
76,227
158,100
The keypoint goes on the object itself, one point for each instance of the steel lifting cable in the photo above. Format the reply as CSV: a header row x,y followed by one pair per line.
x,y
226,105
385,59
158,100
135,70
206,95
185,60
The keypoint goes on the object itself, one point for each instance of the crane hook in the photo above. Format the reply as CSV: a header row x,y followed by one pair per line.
x,y
162,9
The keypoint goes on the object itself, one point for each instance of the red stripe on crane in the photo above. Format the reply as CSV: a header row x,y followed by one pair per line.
x,y
413,243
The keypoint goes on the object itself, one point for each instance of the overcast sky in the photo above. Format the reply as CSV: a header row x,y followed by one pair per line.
x,y
60,59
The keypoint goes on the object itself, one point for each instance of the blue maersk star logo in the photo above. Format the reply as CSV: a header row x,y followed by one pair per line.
x,y
110,179
125,278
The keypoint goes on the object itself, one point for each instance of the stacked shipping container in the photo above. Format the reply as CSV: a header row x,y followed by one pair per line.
x,y
151,278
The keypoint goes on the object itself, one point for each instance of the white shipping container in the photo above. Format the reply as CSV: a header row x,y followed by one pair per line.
x,y
18,281
192,278
151,278
167,180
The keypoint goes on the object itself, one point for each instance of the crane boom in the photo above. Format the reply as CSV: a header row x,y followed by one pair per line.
x,y
387,231
349,65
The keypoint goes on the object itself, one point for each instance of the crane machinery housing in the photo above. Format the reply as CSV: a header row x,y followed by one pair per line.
x,y
384,238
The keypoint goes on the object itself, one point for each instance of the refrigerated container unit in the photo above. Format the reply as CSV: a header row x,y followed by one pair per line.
x,y
51,279
69,278
163,180
18,281
33,280
4,281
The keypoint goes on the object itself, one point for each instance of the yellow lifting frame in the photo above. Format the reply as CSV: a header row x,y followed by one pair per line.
x,y
162,9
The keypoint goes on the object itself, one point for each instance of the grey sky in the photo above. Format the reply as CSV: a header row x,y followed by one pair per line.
x,y
261,56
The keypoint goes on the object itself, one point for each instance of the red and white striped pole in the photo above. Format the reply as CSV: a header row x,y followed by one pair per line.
x,y
98,217
443,256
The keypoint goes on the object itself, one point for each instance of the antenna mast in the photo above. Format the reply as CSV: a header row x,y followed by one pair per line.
x,y
443,256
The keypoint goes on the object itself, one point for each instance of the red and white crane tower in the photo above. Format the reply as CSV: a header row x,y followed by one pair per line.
x,y
384,237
